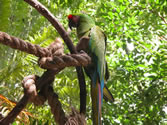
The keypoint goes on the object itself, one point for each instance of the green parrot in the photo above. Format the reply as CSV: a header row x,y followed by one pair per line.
x,y
93,42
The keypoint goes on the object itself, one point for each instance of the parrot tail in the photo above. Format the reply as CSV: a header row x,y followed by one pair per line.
x,y
107,94
96,103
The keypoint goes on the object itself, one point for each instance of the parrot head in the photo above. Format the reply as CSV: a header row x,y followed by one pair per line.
x,y
73,21
82,22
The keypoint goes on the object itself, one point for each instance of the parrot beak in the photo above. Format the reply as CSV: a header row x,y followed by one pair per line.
x,y
70,27
70,24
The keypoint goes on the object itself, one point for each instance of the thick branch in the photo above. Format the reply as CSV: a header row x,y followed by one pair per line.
x,y
82,86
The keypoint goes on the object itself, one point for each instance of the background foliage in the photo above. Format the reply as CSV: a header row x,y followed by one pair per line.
x,y
136,55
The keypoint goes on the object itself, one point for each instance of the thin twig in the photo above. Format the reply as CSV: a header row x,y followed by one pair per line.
x,y
158,14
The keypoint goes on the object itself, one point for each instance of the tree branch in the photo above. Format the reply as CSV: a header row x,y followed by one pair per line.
x,y
158,14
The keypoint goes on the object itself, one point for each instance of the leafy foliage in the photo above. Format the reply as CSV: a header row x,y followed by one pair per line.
x,y
136,55
6,106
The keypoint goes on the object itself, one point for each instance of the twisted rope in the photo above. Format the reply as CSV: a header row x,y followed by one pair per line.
x,y
21,45
29,85
56,48
63,61
76,118
56,107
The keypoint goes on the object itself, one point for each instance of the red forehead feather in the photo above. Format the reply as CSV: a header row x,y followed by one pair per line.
x,y
70,16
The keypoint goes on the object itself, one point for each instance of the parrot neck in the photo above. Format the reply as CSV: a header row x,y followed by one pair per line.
x,y
84,33
84,29
85,25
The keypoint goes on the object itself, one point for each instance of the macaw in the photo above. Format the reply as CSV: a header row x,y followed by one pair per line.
x,y
93,41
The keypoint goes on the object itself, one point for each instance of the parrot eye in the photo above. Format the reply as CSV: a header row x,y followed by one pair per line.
x,y
73,21
70,17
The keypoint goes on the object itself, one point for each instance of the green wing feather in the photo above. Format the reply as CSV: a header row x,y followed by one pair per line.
x,y
97,44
